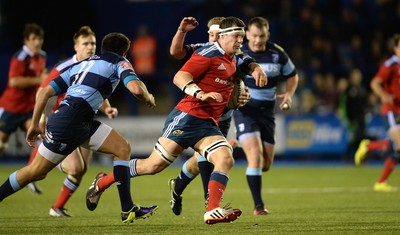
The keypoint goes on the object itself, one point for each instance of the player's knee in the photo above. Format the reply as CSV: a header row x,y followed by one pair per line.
x,y
230,161
210,149
123,151
266,167
192,166
164,154
222,159
267,160
76,170
39,176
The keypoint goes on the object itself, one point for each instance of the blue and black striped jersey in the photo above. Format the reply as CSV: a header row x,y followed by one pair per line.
x,y
93,80
277,66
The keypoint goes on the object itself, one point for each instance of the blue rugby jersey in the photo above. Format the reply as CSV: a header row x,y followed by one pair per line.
x,y
276,64
89,82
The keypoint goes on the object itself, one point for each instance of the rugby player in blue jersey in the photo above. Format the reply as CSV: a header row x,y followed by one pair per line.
x,y
255,122
87,84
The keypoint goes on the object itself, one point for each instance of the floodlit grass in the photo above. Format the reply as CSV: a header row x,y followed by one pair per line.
x,y
302,200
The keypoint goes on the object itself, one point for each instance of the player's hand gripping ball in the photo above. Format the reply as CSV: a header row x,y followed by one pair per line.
x,y
238,88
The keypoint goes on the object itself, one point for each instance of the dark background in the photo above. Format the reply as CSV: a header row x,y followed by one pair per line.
x,y
317,34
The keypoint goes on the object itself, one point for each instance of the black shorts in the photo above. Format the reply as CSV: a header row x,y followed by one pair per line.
x,y
9,122
256,118
68,129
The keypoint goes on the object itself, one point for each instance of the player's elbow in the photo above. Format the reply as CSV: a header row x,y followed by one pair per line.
x,y
137,91
135,88
176,80
177,54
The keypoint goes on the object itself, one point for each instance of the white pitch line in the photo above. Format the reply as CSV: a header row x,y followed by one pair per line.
x,y
318,190
305,190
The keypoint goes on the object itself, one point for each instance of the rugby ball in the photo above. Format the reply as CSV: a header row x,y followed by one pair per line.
x,y
238,88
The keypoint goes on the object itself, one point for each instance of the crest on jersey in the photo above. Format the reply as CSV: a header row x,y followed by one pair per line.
x,y
62,146
177,132
275,58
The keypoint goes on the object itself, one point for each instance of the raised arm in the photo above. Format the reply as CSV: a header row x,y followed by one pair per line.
x,y
177,48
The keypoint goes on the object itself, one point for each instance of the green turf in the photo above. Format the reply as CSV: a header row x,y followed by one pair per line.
x,y
302,200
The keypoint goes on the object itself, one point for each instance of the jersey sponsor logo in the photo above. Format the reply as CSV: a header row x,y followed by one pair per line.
x,y
221,67
126,65
270,67
80,91
177,132
224,82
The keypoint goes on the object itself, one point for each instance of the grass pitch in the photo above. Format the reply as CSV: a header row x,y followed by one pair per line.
x,y
302,200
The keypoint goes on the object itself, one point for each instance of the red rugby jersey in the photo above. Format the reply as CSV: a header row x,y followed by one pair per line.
x,y
212,71
389,73
23,63
57,71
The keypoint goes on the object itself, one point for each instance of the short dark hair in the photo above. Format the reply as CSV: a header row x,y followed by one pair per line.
x,y
215,20
259,22
85,31
33,28
231,21
395,40
115,42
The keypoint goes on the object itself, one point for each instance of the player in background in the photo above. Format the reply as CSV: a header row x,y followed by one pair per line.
x,y
255,122
27,71
367,145
385,84
87,84
194,121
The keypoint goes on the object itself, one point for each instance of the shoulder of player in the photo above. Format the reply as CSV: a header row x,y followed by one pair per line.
x,y
393,60
109,57
43,54
24,55
275,47
198,45
209,51
62,64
